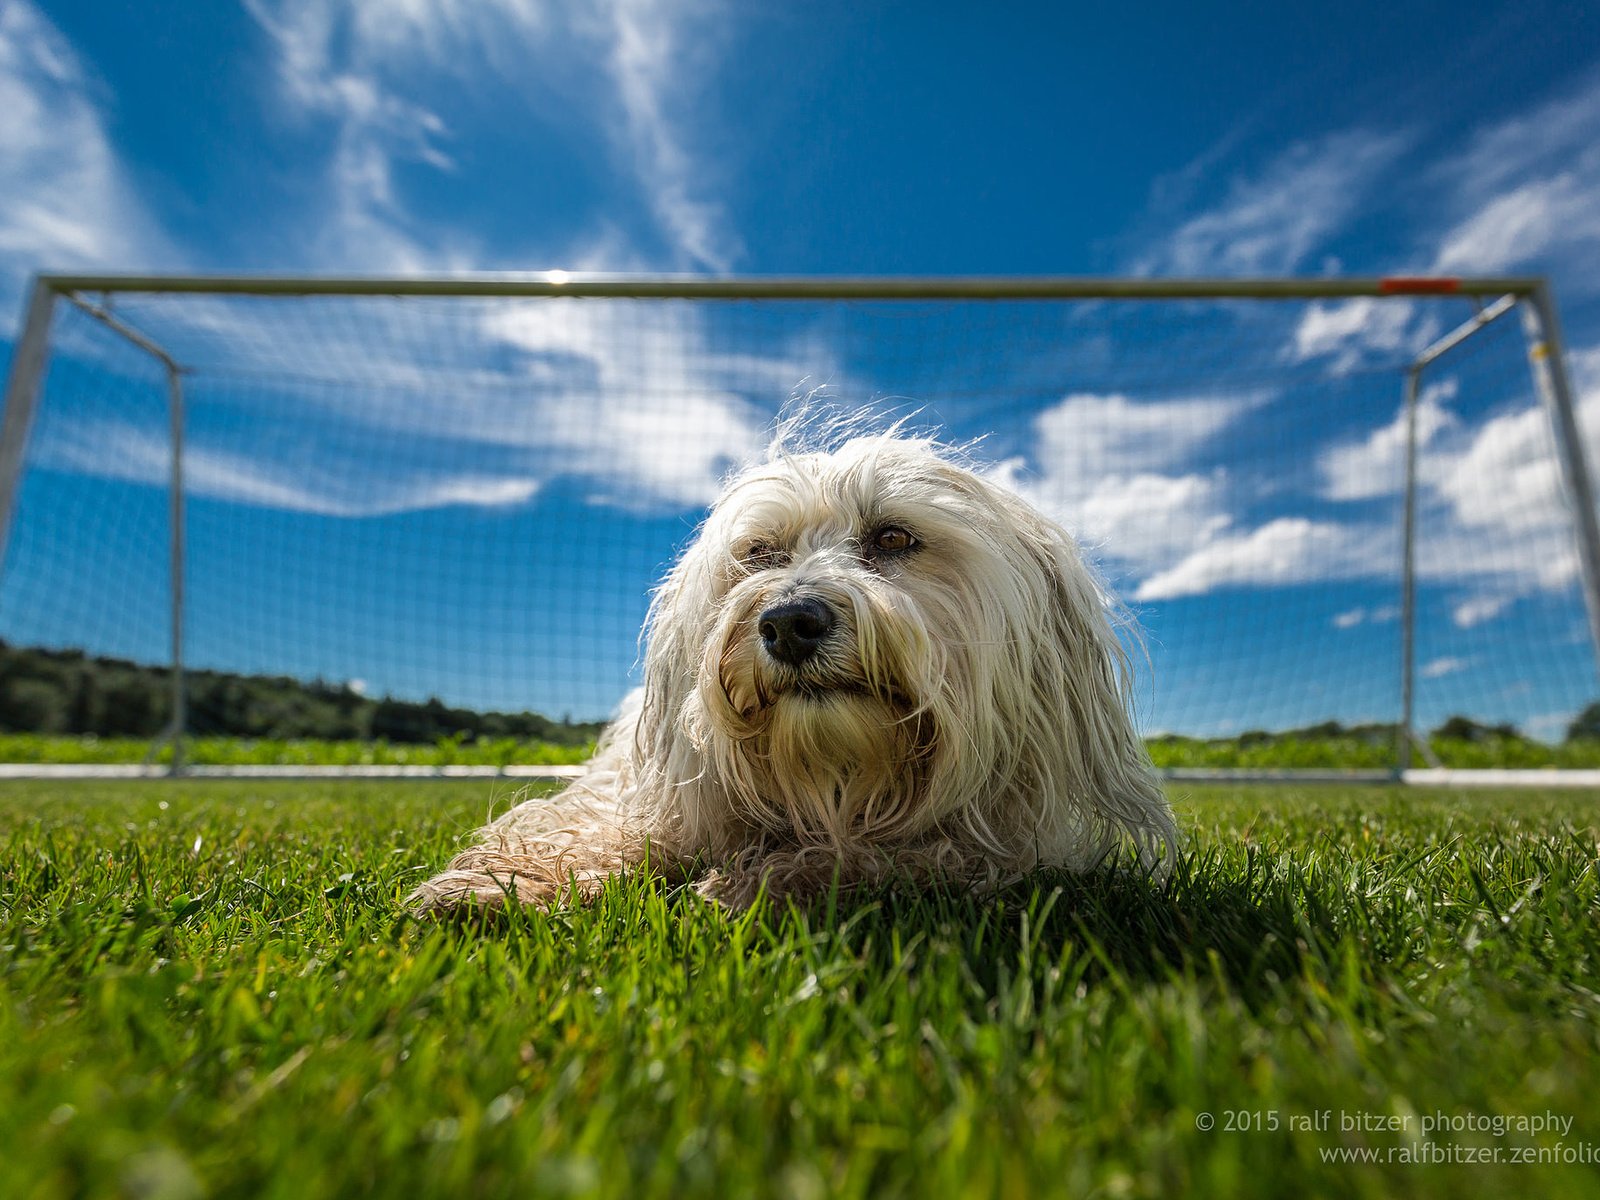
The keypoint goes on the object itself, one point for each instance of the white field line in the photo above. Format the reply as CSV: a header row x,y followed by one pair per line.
x,y
1504,777
1532,777
1274,775
1429,777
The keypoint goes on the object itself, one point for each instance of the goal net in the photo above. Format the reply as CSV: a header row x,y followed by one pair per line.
x,y
408,514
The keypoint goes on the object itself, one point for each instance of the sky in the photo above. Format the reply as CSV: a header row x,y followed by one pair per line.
x,y
471,499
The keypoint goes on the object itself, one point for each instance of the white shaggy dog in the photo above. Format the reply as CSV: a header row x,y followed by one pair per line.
x,y
872,663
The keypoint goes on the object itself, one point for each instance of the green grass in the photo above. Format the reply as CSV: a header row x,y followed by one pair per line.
x,y
294,752
1271,751
1351,751
209,988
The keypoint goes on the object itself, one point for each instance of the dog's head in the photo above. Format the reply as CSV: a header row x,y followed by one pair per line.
x,y
873,644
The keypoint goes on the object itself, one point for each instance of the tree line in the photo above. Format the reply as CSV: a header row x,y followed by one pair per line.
x,y
1585,727
70,692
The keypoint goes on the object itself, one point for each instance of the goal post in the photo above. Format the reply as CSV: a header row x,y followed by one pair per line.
x,y
1136,378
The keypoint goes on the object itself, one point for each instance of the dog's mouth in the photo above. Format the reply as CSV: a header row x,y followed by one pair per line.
x,y
822,689
815,690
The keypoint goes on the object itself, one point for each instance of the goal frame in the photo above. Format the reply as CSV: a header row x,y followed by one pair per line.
x,y
1495,296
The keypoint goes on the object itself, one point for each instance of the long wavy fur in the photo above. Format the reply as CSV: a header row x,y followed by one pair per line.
x,y
967,718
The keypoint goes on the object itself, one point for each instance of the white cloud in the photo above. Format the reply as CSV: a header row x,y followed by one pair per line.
x,y
648,58
1492,518
1357,333
1503,153
638,403
1123,475
1376,466
1478,609
656,418
324,72
484,404
1506,478
1360,615
1523,191
1285,550
1143,484
331,484
1087,433
1272,222
355,65
1438,668
69,202
1527,223
1526,191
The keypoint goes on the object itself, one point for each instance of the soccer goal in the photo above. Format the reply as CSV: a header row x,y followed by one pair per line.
x,y
1351,518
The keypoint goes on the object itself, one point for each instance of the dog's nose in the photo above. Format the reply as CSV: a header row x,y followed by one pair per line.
x,y
793,631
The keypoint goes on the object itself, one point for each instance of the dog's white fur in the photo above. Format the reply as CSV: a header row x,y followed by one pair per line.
x,y
966,718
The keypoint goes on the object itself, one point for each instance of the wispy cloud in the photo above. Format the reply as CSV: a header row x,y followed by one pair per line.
x,y
1526,190
1351,618
1272,221
655,426
357,65
1520,191
324,72
650,56
646,407
336,483
1438,668
69,201
638,403
1353,334
1529,223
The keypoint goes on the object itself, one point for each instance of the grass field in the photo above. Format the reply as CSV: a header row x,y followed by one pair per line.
x,y
209,988
288,752
1269,751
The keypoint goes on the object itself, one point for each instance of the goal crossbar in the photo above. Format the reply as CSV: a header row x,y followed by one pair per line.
x,y
800,287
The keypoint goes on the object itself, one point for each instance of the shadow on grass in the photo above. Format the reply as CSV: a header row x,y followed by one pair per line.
x,y
1247,921
1249,928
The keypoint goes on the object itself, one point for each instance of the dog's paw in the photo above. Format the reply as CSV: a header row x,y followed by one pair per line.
x,y
470,895
735,889
462,895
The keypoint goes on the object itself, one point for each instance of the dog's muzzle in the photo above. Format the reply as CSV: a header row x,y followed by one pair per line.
x,y
795,630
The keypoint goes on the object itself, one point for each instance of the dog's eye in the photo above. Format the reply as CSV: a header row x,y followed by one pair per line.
x,y
891,539
761,555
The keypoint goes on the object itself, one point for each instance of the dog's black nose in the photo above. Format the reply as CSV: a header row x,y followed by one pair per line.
x,y
793,631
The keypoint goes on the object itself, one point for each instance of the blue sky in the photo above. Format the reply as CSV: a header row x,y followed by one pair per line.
x,y
1236,479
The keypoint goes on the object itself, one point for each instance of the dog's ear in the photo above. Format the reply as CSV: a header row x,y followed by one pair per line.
x,y
671,652
1080,724
665,770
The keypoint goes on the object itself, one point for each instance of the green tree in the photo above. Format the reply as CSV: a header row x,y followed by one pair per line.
x,y
1465,729
1586,725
